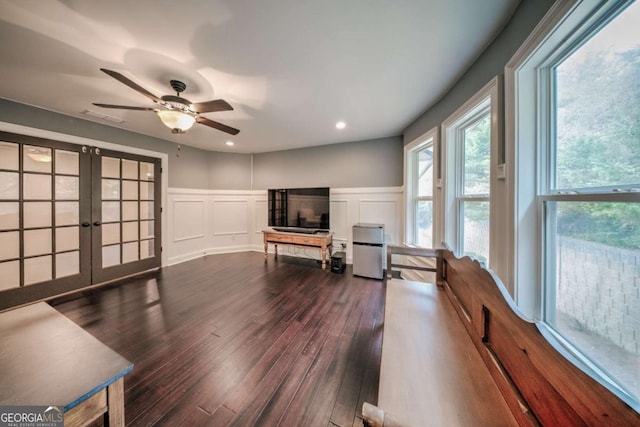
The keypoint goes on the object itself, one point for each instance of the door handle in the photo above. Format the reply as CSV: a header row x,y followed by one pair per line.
x,y
86,224
97,223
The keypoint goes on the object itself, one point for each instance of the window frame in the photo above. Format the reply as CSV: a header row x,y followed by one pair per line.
x,y
487,99
530,155
411,151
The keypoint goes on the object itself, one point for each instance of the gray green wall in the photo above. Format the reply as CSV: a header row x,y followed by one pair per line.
x,y
375,163
489,64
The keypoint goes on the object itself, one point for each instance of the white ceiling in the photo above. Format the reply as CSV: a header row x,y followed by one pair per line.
x,y
290,68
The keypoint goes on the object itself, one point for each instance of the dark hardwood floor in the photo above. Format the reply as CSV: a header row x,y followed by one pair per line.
x,y
232,340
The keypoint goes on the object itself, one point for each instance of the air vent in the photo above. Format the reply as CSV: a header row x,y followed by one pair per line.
x,y
102,116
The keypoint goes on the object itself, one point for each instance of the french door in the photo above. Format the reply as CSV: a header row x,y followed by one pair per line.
x,y
72,216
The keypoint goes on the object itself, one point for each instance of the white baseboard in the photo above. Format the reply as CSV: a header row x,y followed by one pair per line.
x,y
212,251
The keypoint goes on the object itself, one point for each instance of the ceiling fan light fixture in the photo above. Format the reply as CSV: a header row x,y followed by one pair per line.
x,y
176,120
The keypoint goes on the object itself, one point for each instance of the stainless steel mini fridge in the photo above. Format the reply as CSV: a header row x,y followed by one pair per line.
x,y
368,250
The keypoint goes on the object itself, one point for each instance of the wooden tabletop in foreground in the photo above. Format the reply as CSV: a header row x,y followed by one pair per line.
x,y
46,359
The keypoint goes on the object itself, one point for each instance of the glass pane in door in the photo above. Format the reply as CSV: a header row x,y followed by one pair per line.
x,y
37,242
67,264
36,159
146,190
110,189
67,162
129,169
110,211
67,213
9,215
9,155
10,273
147,171
130,252
67,188
9,185
130,190
110,255
110,167
129,211
9,245
146,229
129,231
36,187
67,238
36,214
147,249
38,269
110,233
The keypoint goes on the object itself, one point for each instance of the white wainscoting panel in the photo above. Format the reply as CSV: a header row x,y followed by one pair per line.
x,y
188,219
233,220
382,212
339,218
230,217
261,215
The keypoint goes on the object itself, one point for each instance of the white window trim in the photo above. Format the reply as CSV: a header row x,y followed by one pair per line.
x,y
491,93
429,138
564,24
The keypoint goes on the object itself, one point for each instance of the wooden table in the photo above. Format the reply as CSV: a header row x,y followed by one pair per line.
x,y
320,241
46,359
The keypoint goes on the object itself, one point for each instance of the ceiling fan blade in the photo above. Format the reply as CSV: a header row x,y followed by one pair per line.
x,y
124,107
217,125
131,84
211,106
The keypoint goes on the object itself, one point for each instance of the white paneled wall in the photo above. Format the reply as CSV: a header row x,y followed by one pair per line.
x,y
213,221
217,221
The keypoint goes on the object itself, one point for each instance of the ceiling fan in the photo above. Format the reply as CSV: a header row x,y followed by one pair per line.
x,y
177,113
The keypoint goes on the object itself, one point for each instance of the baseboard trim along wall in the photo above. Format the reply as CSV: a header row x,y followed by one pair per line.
x,y
204,222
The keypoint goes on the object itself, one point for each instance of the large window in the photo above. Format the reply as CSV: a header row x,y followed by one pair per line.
x,y
419,180
586,139
472,198
470,137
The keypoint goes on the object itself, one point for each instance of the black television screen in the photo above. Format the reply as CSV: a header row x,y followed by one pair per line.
x,y
299,208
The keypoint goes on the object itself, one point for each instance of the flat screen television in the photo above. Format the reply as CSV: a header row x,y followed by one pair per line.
x,y
299,209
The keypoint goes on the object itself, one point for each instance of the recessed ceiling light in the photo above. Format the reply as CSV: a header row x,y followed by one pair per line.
x,y
341,125
230,143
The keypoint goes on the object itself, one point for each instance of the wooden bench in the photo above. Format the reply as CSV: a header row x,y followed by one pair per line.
x,y
461,354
